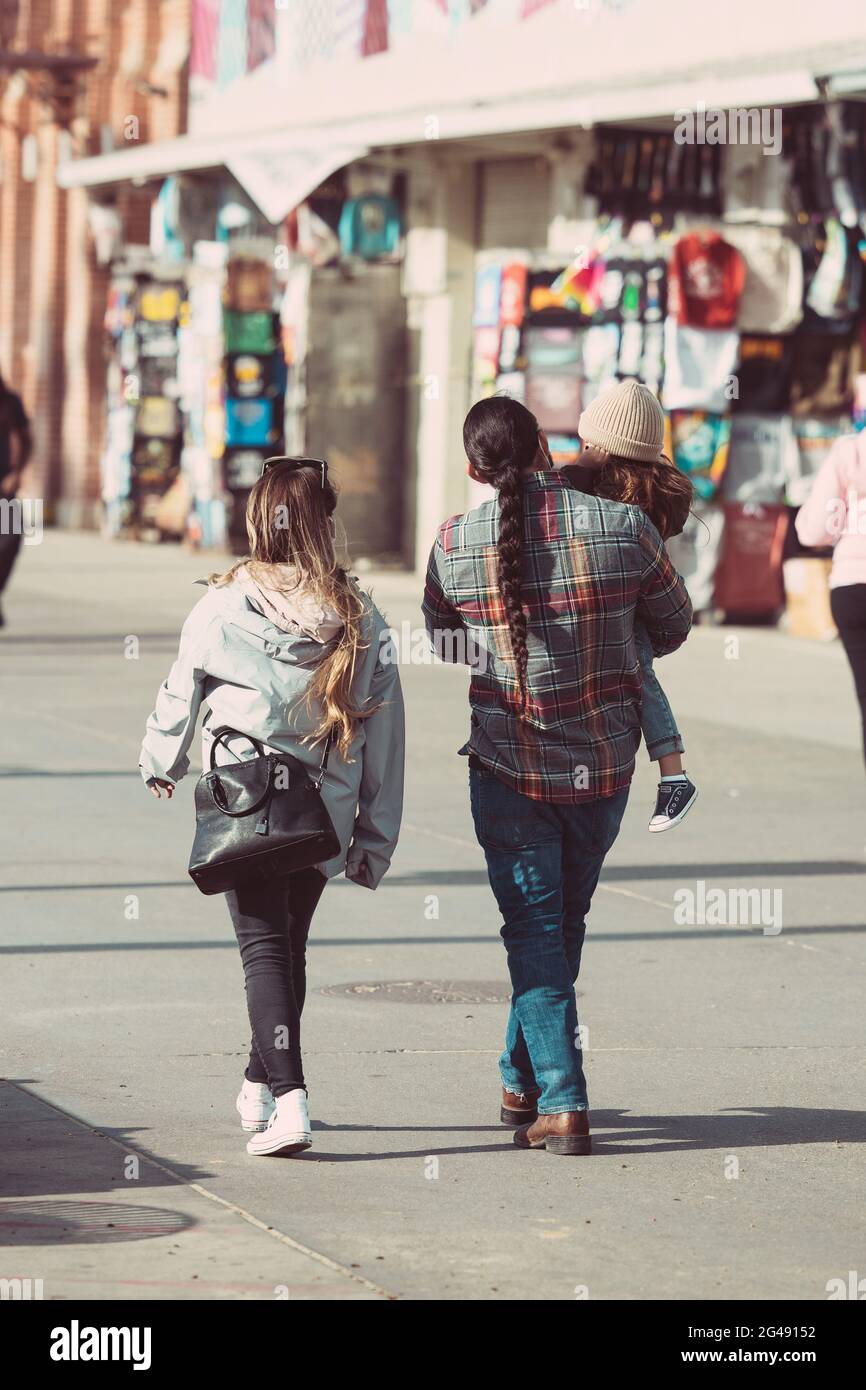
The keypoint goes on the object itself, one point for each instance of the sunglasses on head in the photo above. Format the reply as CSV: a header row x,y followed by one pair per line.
x,y
294,463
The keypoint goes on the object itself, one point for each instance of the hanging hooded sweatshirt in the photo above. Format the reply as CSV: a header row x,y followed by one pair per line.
x,y
706,280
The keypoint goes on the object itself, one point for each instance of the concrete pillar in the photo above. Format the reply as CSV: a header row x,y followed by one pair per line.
x,y
439,284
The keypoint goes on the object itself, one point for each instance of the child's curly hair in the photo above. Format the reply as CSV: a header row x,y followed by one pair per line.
x,y
658,488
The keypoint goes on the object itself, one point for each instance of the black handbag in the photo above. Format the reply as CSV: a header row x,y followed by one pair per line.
x,y
258,819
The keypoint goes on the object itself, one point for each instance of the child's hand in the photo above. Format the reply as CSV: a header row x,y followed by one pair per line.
x,y
157,788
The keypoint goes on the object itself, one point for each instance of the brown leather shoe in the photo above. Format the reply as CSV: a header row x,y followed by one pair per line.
x,y
517,1109
566,1133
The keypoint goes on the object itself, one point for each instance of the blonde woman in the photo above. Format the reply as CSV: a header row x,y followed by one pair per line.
x,y
285,648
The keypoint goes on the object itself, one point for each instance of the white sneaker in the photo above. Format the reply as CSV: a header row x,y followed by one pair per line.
x,y
255,1105
288,1130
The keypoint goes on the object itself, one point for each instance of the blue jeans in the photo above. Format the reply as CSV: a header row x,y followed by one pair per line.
x,y
658,726
543,861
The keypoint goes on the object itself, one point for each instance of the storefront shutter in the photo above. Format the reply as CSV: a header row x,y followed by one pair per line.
x,y
515,203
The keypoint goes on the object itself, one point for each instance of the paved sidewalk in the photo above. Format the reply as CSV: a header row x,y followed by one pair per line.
x,y
726,1066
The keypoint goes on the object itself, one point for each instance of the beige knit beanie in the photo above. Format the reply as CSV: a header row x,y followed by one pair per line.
x,y
626,420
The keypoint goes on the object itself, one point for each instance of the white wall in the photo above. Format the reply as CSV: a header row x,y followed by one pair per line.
x,y
573,60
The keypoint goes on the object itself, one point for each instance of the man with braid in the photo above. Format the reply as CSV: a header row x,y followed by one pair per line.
x,y
544,583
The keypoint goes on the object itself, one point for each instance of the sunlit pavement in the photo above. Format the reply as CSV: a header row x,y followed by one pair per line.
x,y
726,1061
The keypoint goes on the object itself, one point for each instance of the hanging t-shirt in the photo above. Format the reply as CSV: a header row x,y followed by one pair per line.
x,y
632,289
250,422
763,374
833,293
370,227
823,368
754,185
698,442
631,349
243,467
706,280
159,303
758,459
652,368
555,349
700,367
513,293
157,417
601,351
488,288
509,347
772,298
554,400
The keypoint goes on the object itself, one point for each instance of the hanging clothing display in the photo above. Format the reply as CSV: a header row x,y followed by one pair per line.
x,y
749,575
763,374
705,281
700,367
823,369
758,458
698,442
772,297
554,399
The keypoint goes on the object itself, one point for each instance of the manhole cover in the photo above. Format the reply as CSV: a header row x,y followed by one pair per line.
x,y
426,991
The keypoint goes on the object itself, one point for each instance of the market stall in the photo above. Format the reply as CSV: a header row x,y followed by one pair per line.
x,y
729,279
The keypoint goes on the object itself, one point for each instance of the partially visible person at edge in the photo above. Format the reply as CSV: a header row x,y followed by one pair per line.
x,y
622,433
286,649
540,589
15,448
835,514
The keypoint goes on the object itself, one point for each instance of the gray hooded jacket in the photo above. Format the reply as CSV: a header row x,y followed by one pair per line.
x,y
253,675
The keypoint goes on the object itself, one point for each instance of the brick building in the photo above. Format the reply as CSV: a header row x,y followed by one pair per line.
x,y
52,288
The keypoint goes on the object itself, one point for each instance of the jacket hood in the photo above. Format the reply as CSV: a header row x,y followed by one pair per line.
x,y
289,603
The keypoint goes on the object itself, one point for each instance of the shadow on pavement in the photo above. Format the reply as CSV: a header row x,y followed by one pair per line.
x,y
674,934
45,1152
751,1127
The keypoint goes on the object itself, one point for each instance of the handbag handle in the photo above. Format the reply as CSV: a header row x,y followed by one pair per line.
x,y
219,737
245,810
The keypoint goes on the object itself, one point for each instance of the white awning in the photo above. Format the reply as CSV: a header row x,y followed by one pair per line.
x,y
277,170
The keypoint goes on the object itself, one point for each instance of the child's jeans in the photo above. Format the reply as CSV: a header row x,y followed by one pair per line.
x,y
657,722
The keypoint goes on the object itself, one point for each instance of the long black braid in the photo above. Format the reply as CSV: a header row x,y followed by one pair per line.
x,y
500,437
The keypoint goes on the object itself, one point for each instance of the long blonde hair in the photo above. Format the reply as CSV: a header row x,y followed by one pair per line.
x,y
289,523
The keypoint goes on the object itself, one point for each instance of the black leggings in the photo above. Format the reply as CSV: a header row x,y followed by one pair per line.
x,y
272,921
848,605
10,544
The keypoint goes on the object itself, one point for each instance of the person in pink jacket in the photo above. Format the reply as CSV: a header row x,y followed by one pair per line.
x,y
835,514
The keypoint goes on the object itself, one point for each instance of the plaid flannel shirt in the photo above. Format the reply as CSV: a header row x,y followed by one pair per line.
x,y
592,568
